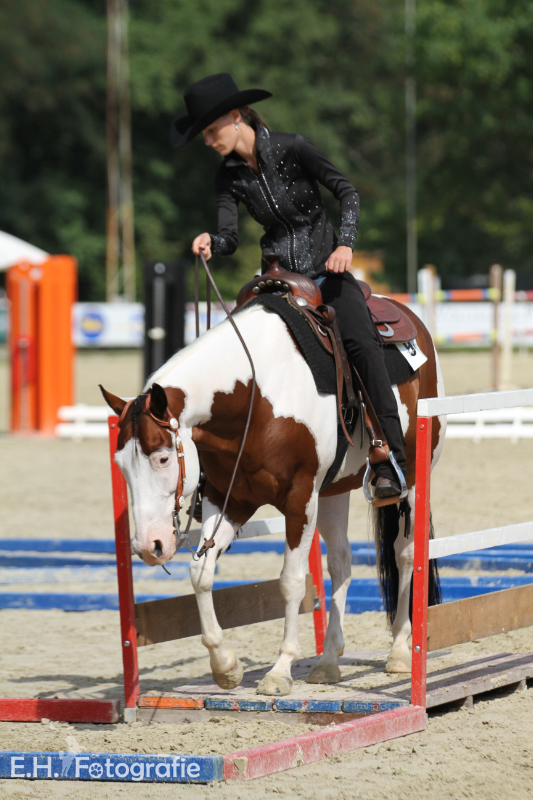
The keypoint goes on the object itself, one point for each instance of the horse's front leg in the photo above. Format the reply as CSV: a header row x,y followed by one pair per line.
x,y
300,527
225,666
399,659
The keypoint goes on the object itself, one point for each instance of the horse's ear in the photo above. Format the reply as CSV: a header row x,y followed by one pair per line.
x,y
115,403
158,401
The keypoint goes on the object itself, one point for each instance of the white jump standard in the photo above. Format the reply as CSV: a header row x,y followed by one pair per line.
x,y
476,617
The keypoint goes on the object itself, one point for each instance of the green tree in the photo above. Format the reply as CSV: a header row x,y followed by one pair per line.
x,y
336,68
52,127
331,68
475,73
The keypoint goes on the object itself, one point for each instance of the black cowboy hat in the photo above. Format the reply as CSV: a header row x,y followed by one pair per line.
x,y
206,101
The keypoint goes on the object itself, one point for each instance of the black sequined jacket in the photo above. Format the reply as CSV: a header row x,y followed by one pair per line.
x,y
284,197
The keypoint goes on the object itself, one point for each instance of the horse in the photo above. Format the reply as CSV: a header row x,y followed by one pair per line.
x,y
205,389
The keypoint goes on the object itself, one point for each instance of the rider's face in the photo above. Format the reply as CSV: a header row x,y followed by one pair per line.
x,y
222,135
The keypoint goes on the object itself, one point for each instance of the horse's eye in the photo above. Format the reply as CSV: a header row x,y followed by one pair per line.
x,y
164,460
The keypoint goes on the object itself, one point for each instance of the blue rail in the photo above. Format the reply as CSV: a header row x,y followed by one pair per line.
x,y
15,552
363,595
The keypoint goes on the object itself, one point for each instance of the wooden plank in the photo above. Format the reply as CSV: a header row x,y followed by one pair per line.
x,y
18,709
496,673
477,432
169,701
480,540
458,404
179,716
316,745
178,617
496,415
476,617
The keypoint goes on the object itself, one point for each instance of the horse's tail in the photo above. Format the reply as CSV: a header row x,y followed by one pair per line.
x,y
386,524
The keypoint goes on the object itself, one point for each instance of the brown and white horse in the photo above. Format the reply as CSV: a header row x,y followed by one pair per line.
x,y
290,445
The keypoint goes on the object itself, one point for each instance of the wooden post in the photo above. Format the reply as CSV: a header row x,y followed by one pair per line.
x,y
421,561
509,287
410,145
112,216
120,229
126,599
496,284
427,278
319,615
124,149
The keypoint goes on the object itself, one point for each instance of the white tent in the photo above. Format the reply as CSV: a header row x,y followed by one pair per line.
x,y
13,250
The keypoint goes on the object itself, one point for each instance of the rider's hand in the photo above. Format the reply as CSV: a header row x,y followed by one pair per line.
x,y
202,244
340,260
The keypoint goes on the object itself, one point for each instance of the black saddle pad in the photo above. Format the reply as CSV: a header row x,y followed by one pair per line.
x,y
321,363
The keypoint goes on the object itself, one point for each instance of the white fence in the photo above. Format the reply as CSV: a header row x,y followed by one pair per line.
x,y
83,422
88,422
501,423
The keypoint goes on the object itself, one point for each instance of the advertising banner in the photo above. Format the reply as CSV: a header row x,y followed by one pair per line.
x,y
108,324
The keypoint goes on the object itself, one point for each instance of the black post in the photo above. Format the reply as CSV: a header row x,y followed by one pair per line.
x,y
164,301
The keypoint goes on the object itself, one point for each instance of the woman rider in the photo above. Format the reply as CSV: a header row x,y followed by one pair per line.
x,y
276,176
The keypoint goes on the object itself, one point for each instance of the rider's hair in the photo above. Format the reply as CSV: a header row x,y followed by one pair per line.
x,y
252,118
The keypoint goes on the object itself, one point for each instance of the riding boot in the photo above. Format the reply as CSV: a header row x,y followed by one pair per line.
x,y
364,348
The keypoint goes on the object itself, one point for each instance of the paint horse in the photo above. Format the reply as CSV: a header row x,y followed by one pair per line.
x,y
290,445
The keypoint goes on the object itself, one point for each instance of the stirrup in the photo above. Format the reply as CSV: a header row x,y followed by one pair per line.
x,y
401,480
401,477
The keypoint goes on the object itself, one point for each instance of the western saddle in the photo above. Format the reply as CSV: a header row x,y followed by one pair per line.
x,y
394,326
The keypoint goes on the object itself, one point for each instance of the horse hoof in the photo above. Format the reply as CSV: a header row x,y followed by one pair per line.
x,y
230,679
398,663
274,685
324,673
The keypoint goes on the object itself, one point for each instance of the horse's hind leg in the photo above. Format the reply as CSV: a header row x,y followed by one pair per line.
x,y
226,668
399,659
332,522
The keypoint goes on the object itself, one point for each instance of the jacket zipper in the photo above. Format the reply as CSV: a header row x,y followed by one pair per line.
x,y
288,227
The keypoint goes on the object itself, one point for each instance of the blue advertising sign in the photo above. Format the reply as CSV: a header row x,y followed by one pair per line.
x,y
127,767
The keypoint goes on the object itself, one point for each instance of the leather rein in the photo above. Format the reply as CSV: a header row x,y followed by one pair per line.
x,y
171,423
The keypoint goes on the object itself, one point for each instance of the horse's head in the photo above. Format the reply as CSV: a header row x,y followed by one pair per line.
x,y
147,454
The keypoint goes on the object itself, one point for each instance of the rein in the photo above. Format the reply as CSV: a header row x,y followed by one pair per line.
x,y
211,541
172,424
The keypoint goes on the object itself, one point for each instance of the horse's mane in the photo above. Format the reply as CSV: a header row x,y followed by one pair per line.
x,y
136,408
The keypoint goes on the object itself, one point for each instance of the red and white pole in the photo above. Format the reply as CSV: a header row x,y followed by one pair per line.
x,y
320,616
421,561
126,599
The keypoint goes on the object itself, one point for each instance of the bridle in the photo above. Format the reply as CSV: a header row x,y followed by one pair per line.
x,y
170,423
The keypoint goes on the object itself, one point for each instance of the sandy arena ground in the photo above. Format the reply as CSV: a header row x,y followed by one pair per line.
x,y
62,489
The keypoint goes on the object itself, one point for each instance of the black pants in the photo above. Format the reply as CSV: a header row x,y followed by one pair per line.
x,y
363,346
